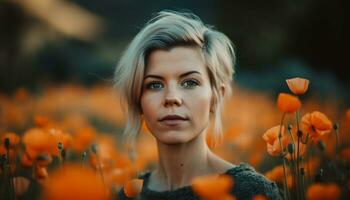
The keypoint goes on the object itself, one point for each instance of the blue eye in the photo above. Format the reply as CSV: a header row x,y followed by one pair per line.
x,y
154,85
190,84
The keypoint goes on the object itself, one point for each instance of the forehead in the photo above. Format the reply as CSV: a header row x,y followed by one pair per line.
x,y
175,61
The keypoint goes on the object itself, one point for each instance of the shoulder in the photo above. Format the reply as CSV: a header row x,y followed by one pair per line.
x,y
248,183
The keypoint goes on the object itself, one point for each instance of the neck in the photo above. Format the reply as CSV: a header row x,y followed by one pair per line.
x,y
180,163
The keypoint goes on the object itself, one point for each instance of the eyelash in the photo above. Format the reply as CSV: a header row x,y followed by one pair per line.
x,y
192,81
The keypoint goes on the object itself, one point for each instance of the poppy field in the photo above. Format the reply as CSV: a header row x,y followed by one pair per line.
x,y
65,142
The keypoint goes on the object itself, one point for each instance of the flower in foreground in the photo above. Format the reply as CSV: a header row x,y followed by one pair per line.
x,y
315,124
133,188
323,191
213,186
73,182
288,103
298,85
272,142
37,141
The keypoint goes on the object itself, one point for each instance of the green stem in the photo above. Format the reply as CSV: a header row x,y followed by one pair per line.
x,y
336,130
11,184
298,155
286,190
100,169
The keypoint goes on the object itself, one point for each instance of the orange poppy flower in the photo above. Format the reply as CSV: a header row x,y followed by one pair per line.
x,y
12,137
288,103
315,124
38,141
83,139
73,182
272,142
212,186
298,85
133,187
323,191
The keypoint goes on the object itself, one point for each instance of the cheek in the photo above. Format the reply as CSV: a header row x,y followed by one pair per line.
x,y
199,104
149,105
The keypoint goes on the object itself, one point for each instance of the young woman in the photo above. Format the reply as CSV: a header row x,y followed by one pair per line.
x,y
174,76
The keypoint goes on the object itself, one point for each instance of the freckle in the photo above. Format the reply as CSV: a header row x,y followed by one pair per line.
x,y
182,164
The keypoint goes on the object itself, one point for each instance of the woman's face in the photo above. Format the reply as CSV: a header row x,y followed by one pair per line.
x,y
176,95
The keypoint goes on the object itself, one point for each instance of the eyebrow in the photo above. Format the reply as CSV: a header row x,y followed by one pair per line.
x,y
181,76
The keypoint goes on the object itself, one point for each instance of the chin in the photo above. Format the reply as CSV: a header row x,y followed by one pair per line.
x,y
174,137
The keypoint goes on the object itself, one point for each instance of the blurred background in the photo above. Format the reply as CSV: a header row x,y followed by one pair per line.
x,y
57,41
57,60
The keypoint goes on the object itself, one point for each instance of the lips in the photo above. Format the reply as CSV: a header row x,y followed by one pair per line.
x,y
173,118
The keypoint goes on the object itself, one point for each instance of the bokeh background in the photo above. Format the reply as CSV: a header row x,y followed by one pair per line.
x,y
57,60
81,40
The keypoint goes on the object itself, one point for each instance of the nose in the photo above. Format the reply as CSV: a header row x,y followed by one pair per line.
x,y
172,98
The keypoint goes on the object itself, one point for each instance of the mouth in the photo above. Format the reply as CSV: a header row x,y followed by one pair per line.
x,y
173,118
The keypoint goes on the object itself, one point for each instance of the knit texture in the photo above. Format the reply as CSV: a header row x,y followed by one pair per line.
x,y
247,184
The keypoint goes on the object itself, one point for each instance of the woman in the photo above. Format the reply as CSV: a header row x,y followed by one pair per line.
x,y
174,76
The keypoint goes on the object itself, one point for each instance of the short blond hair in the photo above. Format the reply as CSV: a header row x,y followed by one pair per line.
x,y
166,30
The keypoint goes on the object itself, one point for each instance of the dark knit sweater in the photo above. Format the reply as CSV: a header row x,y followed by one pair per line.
x,y
247,184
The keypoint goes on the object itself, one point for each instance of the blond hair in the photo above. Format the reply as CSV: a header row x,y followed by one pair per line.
x,y
166,30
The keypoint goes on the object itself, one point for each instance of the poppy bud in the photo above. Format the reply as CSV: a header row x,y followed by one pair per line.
x,y
7,143
290,148
319,175
300,133
94,148
290,127
321,145
335,126
60,146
